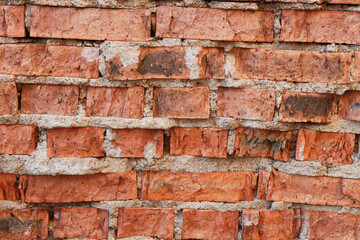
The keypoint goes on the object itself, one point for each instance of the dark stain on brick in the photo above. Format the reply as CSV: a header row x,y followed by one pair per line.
x,y
356,106
114,69
13,224
309,105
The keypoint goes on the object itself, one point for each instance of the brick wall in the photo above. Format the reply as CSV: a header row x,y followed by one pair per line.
x,y
179,119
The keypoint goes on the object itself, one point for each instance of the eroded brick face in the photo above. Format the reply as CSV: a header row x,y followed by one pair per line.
x,y
18,139
8,187
8,99
12,21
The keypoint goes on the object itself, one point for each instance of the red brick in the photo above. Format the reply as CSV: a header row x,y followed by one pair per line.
x,y
90,23
251,104
49,99
276,186
24,224
164,63
203,224
262,143
78,188
43,60
18,139
357,67
186,102
265,224
150,222
12,21
8,99
8,187
205,142
320,26
115,102
214,24
293,66
133,143
80,223
307,107
75,142
205,186
329,225
325,147
349,104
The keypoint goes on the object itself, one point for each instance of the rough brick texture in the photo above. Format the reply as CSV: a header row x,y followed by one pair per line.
x,y
200,224
149,222
78,188
8,187
205,142
8,99
80,223
214,24
184,186
349,105
18,139
12,21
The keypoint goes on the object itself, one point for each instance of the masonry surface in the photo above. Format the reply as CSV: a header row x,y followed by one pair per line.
x,y
168,119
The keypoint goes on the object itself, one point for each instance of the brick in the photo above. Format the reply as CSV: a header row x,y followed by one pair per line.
x,y
276,186
138,143
186,102
78,188
43,60
293,66
75,142
250,104
49,99
80,223
12,21
24,224
206,186
265,224
204,224
329,225
307,107
205,142
90,23
349,106
18,139
262,143
320,26
115,102
357,67
325,147
214,24
164,63
150,222
8,99
8,187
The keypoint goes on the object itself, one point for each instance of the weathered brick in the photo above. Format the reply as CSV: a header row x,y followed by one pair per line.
x,y
90,23
265,224
137,143
43,60
294,66
75,142
262,143
204,224
214,24
329,225
186,102
115,102
251,104
320,26
8,99
205,142
357,67
49,99
349,106
18,139
8,187
12,21
206,186
78,188
24,224
307,107
164,63
150,222
325,147
80,223
276,186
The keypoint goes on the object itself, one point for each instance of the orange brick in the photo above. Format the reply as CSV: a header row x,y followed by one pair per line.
x,y
18,139
349,106
12,21
8,99
8,187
